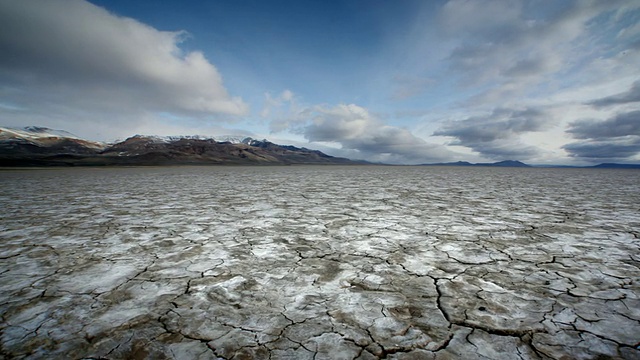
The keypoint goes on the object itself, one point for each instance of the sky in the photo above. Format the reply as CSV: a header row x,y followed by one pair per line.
x,y
404,82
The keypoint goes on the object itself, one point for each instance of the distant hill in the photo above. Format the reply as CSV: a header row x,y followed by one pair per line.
x,y
599,166
36,146
616,166
506,163
513,163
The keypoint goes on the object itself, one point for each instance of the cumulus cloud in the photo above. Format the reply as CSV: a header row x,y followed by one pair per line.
x,y
363,136
617,138
496,135
630,96
62,55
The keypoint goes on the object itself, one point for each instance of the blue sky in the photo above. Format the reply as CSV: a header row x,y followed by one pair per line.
x,y
394,81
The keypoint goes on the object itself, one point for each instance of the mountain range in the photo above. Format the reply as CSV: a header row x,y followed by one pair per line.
x,y
38,146
505,163
515,163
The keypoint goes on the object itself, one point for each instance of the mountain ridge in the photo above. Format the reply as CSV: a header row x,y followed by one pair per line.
x,y
504,163
37,146
515,163
41,146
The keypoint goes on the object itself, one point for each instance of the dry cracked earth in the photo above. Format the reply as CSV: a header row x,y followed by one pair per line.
x,y
319,263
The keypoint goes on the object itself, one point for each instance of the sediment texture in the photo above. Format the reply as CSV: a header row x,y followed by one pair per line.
x,y
319,263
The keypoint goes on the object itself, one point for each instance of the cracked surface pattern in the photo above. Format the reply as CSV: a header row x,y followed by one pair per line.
x,y
319,263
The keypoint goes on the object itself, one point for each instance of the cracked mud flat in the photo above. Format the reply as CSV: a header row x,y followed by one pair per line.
x,y
319,263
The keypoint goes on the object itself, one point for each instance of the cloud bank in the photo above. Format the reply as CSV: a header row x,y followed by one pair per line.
x,y
627,97
497,135
363,136
615,139
528,61
356,129
71,54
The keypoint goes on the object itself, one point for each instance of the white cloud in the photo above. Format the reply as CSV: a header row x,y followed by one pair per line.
x,y
273,104
363,136
287,95
66,58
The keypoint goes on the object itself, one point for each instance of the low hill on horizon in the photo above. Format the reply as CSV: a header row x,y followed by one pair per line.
x,y
515,163
505,163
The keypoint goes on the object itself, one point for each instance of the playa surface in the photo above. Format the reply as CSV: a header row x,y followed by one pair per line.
x,y
359,262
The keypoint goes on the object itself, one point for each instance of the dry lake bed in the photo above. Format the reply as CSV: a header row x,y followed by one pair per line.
x,y
324,262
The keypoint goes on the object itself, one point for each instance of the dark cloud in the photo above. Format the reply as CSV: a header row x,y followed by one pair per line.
x,y
630,96
497,135
620,125
617,138
619,149
528,67
500,124
363,136
503,149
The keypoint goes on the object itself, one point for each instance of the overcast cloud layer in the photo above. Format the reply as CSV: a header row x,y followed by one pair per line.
x,y
411,82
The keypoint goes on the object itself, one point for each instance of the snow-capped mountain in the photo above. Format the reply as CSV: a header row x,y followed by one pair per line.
x,y
37,146
44,140
231,139
35,132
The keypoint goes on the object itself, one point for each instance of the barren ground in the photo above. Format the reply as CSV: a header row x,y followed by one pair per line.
x,y
319,263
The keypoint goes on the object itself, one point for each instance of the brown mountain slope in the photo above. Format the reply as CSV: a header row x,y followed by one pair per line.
x,y
18,149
